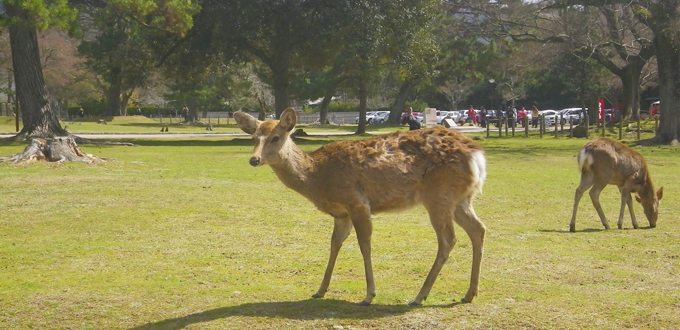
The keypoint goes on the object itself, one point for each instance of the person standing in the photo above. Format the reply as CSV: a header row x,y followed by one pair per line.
x,y
471,115
482,117
185,113
534,116
412,121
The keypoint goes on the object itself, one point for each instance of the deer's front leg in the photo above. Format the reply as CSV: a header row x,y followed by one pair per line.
x,y
341,229
632,213
361,219
626,200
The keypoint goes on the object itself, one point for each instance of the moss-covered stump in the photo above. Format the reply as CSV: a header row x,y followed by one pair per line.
x,y
60,149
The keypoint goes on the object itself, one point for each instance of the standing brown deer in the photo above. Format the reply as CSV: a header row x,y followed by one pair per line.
x,y
350,180
604,161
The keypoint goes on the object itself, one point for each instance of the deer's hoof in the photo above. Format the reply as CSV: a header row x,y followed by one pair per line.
x,y
317,295
365,303
572,229
415,303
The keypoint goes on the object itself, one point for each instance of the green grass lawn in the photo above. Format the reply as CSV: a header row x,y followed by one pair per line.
x,y
184,234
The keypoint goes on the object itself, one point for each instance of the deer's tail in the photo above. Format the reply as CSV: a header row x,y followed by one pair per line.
x,y
585,159
478,167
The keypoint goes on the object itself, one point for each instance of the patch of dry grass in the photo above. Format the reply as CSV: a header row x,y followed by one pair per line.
x,y
186,235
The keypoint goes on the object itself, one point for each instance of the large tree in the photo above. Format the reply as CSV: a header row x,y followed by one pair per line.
x,y
119,39
24,19
663,19
278,34
607,32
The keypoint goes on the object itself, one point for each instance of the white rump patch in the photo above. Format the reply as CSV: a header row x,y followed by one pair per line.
x,y
585,159
478,169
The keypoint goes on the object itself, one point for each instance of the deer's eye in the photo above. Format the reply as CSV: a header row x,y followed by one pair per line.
x,y
275,139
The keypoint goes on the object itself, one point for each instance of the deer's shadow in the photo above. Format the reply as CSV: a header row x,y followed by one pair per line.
x,y
309,309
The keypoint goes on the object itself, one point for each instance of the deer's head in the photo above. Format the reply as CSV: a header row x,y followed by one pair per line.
x,y
270,137
651,205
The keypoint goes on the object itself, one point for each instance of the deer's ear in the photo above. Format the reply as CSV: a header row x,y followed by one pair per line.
x,y
659,194
246,122
288,119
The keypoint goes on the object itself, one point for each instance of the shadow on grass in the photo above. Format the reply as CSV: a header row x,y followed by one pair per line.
x,y
218,142
310,309
566,231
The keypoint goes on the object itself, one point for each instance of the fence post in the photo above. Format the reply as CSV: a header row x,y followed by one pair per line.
x,y
604,125
587,126
561,125
656,125
571,128
620,128
513,122
638,128
500,127
526,126
541,125
488,125
556,126
505,120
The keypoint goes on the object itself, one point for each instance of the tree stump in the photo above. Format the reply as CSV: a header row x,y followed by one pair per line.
x,y
59,149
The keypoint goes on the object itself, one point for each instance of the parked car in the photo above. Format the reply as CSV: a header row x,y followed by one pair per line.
x,y
462,115
441,115
549,117
380,118
369,115
570,115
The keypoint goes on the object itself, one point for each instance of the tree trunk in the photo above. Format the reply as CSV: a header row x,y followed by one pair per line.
x,y
38,116
281,91
400,101
113,93
630,80
193,110
667,42
323,113
125,100
59,150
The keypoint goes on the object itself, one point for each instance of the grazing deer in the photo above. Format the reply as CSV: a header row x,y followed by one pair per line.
x,y
350,180
604,161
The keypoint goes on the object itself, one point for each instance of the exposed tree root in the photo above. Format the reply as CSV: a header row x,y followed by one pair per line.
x,y
78,139
59,149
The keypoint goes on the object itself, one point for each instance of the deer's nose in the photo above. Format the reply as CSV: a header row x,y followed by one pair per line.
x,y
254,161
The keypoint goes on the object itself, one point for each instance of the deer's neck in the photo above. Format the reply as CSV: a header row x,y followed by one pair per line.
x,y
294,170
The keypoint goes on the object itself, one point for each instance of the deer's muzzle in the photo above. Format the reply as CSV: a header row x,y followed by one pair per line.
x,y
254,161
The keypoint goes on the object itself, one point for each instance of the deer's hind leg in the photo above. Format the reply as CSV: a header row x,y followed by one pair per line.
x,y
341,229
595,197
586,182
441,217
361,219
465,216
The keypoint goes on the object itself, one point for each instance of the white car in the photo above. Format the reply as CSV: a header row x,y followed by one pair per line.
x,y
441,115
379,118
549,116
369,116
571,115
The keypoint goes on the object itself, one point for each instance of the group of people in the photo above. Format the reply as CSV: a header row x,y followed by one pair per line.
x,y
481,116
511,113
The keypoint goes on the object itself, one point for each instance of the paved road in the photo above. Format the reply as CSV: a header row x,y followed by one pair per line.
x,y
169,135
